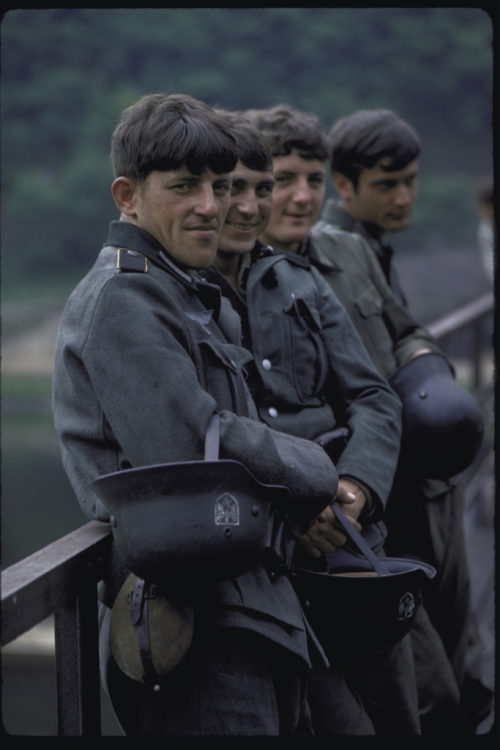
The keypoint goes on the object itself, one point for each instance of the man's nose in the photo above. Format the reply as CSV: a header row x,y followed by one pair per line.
x,y
206,204
247,204
403,195
302,191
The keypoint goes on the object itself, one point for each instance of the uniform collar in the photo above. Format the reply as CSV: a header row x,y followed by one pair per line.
x,y
318,258
263,251
333,213
124,234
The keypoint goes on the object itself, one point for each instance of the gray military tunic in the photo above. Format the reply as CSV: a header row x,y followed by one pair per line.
x,y
311,373
145,356
338,218
424,516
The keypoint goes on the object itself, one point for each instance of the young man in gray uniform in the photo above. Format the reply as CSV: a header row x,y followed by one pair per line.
x,y
310,375
147,353
375,171
374,167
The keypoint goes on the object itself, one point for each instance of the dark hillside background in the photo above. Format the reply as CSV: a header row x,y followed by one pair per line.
x,y
67,74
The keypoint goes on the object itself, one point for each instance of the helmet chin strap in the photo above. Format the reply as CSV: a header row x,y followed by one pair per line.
x,y
356,538
139,616
212,439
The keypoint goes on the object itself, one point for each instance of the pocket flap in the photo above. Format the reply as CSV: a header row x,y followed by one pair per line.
x,y
369,302
231,356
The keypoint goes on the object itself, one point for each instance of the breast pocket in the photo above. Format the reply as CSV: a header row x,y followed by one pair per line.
x,y
309,361
369,302
374,329
223,365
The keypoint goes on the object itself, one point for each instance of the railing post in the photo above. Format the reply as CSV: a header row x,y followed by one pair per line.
x,y
77,665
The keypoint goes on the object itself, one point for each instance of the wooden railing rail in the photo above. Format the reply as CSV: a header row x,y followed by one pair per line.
x,y
464,316
469,316
62,579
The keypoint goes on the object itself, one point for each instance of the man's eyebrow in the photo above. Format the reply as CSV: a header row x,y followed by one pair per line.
x,y
188,177
390,179
385,181
290,173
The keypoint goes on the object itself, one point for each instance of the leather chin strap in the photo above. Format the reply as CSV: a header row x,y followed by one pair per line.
x,y
376,562
139,616
212,439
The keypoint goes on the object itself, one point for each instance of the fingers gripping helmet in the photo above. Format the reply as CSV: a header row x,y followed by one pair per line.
x,y
443,424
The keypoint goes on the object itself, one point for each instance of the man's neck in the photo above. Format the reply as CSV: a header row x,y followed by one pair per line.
x,y
288,247
228,264
372,229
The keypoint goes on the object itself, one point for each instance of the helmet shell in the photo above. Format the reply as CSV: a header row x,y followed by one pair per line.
x,y
367,611
443,424
198,520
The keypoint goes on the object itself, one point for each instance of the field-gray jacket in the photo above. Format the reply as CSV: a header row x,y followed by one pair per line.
x,y
145,356
338,218
389,332
311,371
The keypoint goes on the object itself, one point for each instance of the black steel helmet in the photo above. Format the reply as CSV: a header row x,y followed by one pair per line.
x,y
443,424
199,520
359,600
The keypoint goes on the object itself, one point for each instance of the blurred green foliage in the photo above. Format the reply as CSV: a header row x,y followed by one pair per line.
x,y
67,75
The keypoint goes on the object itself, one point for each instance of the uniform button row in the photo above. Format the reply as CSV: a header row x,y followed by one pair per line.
x,y
272,411
266,364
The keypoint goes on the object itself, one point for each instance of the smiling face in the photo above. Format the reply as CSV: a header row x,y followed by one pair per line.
x,y
249,211
383,199
297,200
184,212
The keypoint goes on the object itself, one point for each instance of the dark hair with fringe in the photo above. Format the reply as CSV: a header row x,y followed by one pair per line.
x,y
161,132
360,140
253,149
285,128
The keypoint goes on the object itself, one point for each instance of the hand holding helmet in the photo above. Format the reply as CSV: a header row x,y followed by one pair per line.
x,y
325,535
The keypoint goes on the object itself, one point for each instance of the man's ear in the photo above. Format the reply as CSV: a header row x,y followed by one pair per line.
x,y
124,192
343,186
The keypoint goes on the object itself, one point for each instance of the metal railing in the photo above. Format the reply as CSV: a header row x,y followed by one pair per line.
x,y
470,316
62,578
473,317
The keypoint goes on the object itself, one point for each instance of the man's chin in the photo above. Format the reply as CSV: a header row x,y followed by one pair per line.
x,y
293,238
396,226
240,249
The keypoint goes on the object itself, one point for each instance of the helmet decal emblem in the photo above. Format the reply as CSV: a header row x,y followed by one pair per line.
x,y
227,511
406,606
